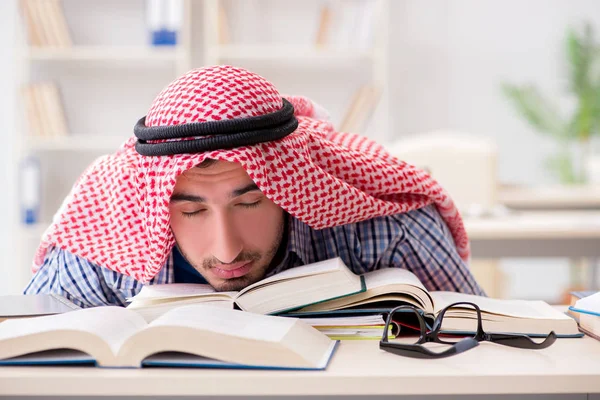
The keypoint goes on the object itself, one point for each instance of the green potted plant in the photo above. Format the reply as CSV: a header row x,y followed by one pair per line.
x,y
576,160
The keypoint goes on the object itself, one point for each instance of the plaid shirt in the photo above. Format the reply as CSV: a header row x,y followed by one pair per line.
x,y
417,240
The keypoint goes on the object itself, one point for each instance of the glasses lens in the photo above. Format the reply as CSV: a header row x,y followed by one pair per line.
x,y
407,320
458,322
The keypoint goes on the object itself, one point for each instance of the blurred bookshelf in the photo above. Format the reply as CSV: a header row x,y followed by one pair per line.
x,y
87,77
346,34
107,53
83,85
298,55
77,142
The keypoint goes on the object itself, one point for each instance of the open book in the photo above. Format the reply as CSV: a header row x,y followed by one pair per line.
x,y
288,290
195,335
390,287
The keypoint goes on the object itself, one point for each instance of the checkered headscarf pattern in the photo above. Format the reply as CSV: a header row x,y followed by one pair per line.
x,y
117,214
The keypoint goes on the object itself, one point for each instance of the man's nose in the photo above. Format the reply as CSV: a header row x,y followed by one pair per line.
x,y
227,243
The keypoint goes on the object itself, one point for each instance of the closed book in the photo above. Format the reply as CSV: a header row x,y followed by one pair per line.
x,y
590,325
33,305
355,327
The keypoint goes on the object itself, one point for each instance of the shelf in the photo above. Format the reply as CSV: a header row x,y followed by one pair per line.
x,y
536,225
295,54
76,142
105,53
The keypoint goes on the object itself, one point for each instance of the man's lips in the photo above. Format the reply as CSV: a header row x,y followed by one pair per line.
x,y
228,271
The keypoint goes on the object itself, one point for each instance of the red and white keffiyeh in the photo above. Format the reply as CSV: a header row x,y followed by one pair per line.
x,y
117,214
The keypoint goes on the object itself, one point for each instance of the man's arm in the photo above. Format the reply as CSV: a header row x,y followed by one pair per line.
x,y
75,278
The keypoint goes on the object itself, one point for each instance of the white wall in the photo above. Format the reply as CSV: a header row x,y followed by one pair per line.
x,y
8,78
447,60
450,56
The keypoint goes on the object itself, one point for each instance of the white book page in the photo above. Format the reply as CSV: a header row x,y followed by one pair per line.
x,y
171,290
386,276
153,311
514,308
589,303
227,322
112,324
321,267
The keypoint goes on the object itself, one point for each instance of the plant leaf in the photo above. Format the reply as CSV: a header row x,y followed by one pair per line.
x,y
536,110
561,166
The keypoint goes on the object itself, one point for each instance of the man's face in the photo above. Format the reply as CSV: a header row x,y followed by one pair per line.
x,y
224,225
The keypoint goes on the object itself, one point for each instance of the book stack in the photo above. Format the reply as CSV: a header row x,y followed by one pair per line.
x,y
44,111
193,325
357,327
46,23
328,289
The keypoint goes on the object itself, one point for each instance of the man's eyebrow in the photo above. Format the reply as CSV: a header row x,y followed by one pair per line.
x,y
178,197
248,188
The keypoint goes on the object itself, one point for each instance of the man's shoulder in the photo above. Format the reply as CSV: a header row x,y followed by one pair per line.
x,y
66,260
429,212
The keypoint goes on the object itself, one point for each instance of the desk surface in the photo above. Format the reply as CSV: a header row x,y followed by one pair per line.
x,y
358,368
579,224
551,197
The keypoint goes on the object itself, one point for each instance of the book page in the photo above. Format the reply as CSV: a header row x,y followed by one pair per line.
x,y
514,308
232,336
386,276
590,304
113,325
227,322
150,312
321,267
158,294
387,284
283,295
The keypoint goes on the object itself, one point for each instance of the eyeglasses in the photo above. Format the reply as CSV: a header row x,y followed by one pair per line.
x,y
459,343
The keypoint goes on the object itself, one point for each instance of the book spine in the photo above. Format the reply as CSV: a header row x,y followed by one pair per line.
x,y
62,28
32,31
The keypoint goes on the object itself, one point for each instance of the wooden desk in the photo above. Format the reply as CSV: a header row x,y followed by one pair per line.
x,y
358,368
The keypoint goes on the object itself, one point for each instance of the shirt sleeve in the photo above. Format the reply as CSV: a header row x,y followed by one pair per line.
x,y
73,277
426,248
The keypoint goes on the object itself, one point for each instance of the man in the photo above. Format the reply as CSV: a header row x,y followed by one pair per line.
x,y
226,182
